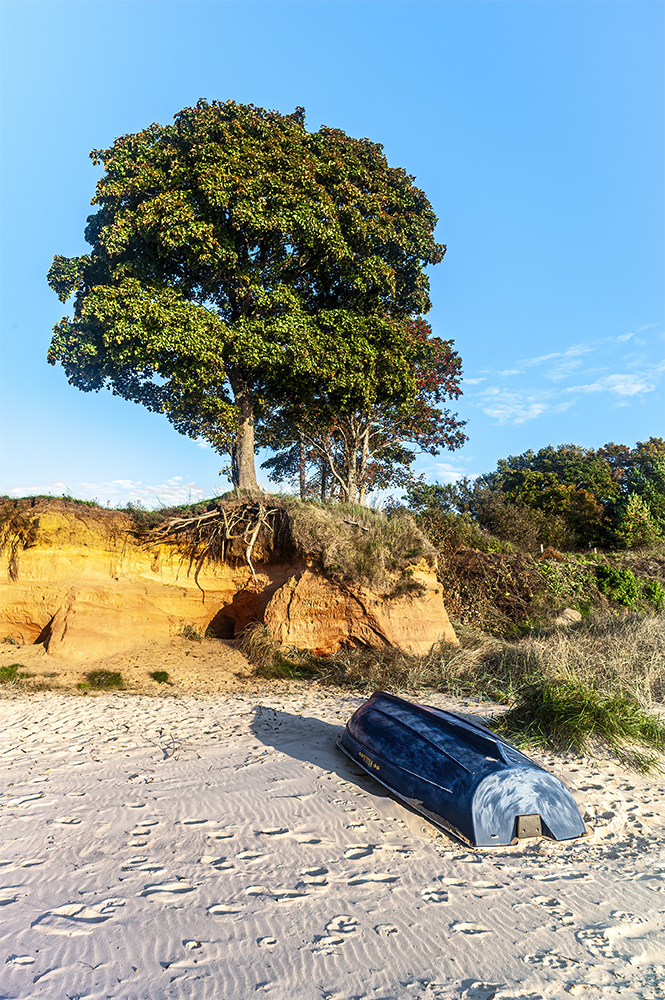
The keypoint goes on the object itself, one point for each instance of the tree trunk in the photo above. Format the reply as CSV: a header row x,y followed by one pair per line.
x,y
301,465
244,448
364,458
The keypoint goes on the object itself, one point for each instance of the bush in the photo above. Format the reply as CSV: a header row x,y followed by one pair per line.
x,y
654,592
619,584
161,676
358,544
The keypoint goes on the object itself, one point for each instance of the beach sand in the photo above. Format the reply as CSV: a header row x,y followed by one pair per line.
x,y
220,845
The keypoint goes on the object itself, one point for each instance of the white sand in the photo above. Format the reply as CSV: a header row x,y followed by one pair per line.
x,y
223,847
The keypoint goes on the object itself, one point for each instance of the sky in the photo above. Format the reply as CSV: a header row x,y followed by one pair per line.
x,y
535,128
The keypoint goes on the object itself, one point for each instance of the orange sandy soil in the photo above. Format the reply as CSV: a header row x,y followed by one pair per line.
x,y
207,667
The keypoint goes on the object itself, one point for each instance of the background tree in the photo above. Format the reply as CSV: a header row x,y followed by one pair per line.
x,y
369,439
566,496
230,251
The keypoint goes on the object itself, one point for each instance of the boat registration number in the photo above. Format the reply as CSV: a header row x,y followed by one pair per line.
x,y
368,760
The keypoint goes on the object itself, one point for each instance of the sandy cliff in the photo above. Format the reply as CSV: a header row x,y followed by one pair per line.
x,y
79,580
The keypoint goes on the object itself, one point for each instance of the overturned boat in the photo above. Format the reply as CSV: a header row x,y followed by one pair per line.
x,y
460,775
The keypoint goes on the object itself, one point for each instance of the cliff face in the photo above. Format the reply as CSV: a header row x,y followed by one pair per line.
x,y
77,579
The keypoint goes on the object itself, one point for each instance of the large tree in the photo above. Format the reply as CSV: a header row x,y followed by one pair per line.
x,y
236,256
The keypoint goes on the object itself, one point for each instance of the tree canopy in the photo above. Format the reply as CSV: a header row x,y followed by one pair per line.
x,y
565,496
236,259
352,447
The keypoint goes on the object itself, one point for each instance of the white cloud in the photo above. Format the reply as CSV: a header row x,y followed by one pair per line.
x,y
473,381
118,492
622,384
510,406
627,336
447,472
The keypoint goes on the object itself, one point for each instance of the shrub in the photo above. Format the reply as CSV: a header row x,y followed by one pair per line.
x,y
358,544
269,660
654,592
619,584
636,526
161,676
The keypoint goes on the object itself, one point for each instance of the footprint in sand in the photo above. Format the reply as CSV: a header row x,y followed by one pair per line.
x,y
220,835
548,959
467,928
266,942
7,896
19,960
385,930
274,831
194,822
373,877
249,855
24,800
314,877
191,945
434,895
356,851
165,891
223,910
342,924
326,944
596,939
76,919
67,820
220,863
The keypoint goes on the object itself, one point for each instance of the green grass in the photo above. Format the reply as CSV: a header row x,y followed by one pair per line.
x,y
161,676
10,673
565,715
271,661
105,680
586,688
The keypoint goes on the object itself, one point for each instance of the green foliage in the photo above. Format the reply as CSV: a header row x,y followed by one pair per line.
x,y
234,255
161,676
333,449
9,673
272,661
566,715
636,527
105,680
654,593
620,584
565,497
190,632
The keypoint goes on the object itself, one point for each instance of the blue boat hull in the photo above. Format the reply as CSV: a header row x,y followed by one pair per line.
x,y
458,774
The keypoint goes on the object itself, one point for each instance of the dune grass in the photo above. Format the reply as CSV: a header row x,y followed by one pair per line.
x,y
105,680
565,715
581,688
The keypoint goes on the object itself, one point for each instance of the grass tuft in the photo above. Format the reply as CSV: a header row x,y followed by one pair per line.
x,y
105,680
272,661
10,673
565,715
189,632
161,676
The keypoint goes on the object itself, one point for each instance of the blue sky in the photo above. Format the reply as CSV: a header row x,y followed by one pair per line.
x,y
535,128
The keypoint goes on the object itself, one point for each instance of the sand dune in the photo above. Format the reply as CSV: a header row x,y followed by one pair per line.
x,y
222,847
